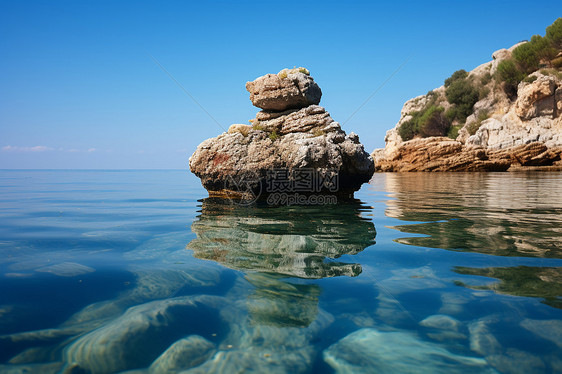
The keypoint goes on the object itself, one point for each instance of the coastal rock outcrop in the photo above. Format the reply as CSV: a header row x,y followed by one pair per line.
x,y
494,118
292,133
440,154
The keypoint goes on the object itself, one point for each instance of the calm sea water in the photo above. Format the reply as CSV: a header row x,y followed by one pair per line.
x,y
113,271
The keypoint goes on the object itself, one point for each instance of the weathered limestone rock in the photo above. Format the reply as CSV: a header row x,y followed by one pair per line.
x,y
289,89
536,99
497,57
291,133
223,162
558,99
510,131
444,154
439,154
532,154
312,119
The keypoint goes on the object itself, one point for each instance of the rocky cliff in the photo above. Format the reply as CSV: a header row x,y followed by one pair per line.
x,y
503,114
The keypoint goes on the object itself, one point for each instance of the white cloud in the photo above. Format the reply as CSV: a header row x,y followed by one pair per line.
x,y
90,150
37,148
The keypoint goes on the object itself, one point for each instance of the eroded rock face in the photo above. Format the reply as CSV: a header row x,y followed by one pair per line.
x,y
313,119
510,131
439,154
444,154
304,137
498,56
286,90
536,99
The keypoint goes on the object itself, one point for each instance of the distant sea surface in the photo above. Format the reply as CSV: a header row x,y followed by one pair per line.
x,y
114,271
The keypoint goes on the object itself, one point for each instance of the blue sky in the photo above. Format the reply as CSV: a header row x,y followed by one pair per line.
x,y
79,89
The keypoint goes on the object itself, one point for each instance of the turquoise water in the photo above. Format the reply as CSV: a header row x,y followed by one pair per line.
x,y
114,271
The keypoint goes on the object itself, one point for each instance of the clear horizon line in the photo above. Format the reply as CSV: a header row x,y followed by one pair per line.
x,y
99,169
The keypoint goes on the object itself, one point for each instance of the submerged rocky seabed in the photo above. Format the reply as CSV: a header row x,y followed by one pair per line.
x,y
307,289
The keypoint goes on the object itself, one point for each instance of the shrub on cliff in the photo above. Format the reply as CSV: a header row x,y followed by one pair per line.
x,y
456,76
544,48
554,33
509,74
428,122
526,58
433,123
463,95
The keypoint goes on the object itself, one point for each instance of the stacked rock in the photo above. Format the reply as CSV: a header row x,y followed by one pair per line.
x,y
291,136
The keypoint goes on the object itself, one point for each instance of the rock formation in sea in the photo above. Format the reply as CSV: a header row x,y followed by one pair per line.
x,y
503,114
291,133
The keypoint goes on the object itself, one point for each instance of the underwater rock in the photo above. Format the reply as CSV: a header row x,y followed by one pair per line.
x,y
162,283
481,339
140,335
36,355
38,337
184,354
444,328
453,303
252,347
150,284
44,368
371,351
517,362
264,345
405,280
390,311
441,322
66,269
256,361
546,329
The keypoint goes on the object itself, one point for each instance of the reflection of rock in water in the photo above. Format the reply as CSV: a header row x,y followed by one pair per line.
x,y
513,214
293,241
526,281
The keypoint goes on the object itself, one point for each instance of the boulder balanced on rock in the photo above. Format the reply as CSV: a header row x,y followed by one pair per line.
x,y
291,135
293,88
